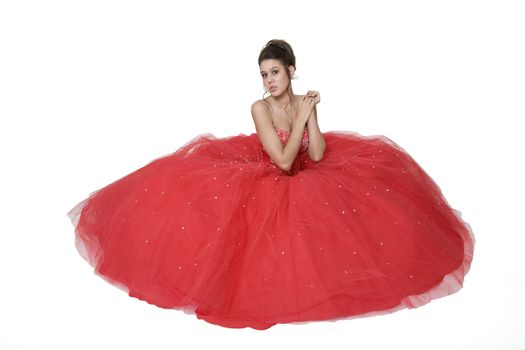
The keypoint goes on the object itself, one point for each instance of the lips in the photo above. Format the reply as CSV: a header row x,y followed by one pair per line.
x,y
273,88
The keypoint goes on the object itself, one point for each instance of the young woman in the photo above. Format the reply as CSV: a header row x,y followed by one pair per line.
x,y
285,112
286,225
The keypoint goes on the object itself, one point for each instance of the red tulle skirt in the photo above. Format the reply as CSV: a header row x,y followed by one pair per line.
x,y
217,230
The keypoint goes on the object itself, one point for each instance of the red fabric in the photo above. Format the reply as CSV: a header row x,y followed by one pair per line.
x,y
217,230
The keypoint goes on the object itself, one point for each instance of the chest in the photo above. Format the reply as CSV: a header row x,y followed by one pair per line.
x,y
284,136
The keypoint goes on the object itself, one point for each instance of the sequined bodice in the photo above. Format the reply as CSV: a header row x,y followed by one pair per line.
x,y
284,136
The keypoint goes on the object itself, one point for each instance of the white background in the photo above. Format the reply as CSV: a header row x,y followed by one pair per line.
x,y
92,90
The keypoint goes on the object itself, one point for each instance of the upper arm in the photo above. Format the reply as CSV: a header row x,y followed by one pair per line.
x,y
265,130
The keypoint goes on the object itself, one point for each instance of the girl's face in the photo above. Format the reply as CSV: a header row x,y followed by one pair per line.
x,y
274,76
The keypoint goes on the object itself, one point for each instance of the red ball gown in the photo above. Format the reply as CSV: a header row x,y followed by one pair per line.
x,y
216,229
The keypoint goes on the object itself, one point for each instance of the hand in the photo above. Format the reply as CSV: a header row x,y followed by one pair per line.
x,y
315,95
305,107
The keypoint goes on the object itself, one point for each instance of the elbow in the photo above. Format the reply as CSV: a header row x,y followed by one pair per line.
x,y
283,163
286,166
317,157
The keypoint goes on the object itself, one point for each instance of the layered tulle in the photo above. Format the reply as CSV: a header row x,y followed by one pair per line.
x,y
218,230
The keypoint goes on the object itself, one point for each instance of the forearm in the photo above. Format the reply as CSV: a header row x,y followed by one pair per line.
x,y
292,147
316,145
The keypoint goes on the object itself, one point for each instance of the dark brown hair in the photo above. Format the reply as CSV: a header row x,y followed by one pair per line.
x,y
279,50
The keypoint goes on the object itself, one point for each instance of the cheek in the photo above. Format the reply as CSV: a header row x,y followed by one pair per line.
x,y
283,79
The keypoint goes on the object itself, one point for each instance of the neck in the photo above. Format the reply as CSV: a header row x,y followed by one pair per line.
x,y
284,99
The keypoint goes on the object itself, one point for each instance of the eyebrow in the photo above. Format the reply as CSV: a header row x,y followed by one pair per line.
x,y
270,69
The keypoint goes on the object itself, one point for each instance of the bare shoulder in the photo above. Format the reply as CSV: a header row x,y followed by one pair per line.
x,y
260,106
261,110
261,114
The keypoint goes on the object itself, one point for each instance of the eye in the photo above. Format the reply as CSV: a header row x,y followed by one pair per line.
x,y
275,72
263,75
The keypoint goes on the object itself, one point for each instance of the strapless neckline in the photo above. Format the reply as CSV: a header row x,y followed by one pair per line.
x,y
284,135
282,129
289,132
